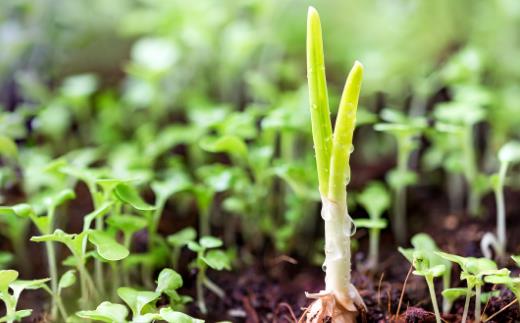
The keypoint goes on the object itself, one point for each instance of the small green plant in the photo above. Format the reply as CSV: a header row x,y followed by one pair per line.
x,y
143,304
340,297
507,155
178,240
208,256
452,294
473,272
504,278
375,199
429,265
459,118
9,281
406,131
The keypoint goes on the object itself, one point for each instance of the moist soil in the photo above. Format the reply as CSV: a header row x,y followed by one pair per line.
x,y
272,289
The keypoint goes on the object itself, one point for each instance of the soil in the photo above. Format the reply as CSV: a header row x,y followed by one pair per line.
x,y
273,288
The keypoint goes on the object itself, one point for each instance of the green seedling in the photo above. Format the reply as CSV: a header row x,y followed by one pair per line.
x,y
9,281
215,178
504,278
423,243
142,304
45,225
509,154
178,241
332,161
458,119
450,295
423,268
208,256
473,272
375,199
406,131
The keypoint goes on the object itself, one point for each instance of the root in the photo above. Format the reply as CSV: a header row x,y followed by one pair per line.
x,y
333,307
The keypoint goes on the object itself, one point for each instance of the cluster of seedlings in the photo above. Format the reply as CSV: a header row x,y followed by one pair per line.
x,y
248,181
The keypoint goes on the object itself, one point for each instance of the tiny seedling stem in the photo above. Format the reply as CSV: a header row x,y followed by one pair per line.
x,y
501,209
431,289
477,303
466,305
400,226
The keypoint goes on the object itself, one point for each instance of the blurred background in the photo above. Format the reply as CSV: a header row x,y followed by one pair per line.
x,y
147,86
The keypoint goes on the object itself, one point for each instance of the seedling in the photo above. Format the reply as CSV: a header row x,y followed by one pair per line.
x,y
215,259
459,119
450,295
9,280
507,155
406,131
179,240
473,272
429,265
375,199
340,297
45,225
142,304
504,278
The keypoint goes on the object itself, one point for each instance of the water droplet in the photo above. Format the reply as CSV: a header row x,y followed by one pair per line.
x,y
324,267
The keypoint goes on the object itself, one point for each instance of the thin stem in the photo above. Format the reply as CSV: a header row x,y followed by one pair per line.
x,y
200,291
400,225
466,305
501,209
53,272
214,288
431,289
373,251
477,303
470,170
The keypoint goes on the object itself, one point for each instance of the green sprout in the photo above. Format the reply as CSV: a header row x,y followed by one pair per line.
x,y
142,304
332,162
179,240
375,199
9,281
504,278
45,225
450,295
458,118
406,130
208,256
507,155
473,272
429,265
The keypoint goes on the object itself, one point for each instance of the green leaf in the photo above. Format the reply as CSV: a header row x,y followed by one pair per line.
x,y
127,223
407,253
56,199
375,198
437,271
58,236
8,147
510,152
453,293
6,278
19,286
97,213
67,279
208,242
17,316
230,144
371,223
129,194
182,237
177,183
168,280
107,247
135,299
217,259
21,210
171,316
106,312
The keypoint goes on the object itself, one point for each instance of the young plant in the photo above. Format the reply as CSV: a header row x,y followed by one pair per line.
x,y
450,295
458,119
375,199
423,242
45,225
339,299
142,304
9,281
406,130
504,278
473,272
507,155
178,240
215,259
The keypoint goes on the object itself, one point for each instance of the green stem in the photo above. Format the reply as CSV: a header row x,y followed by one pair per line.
x,y
501,209
400,225
470,170
53,272
431,289
477,303
373,251
200,291
466,305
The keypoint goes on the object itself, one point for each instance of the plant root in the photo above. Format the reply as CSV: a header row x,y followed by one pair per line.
x,y
333,307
